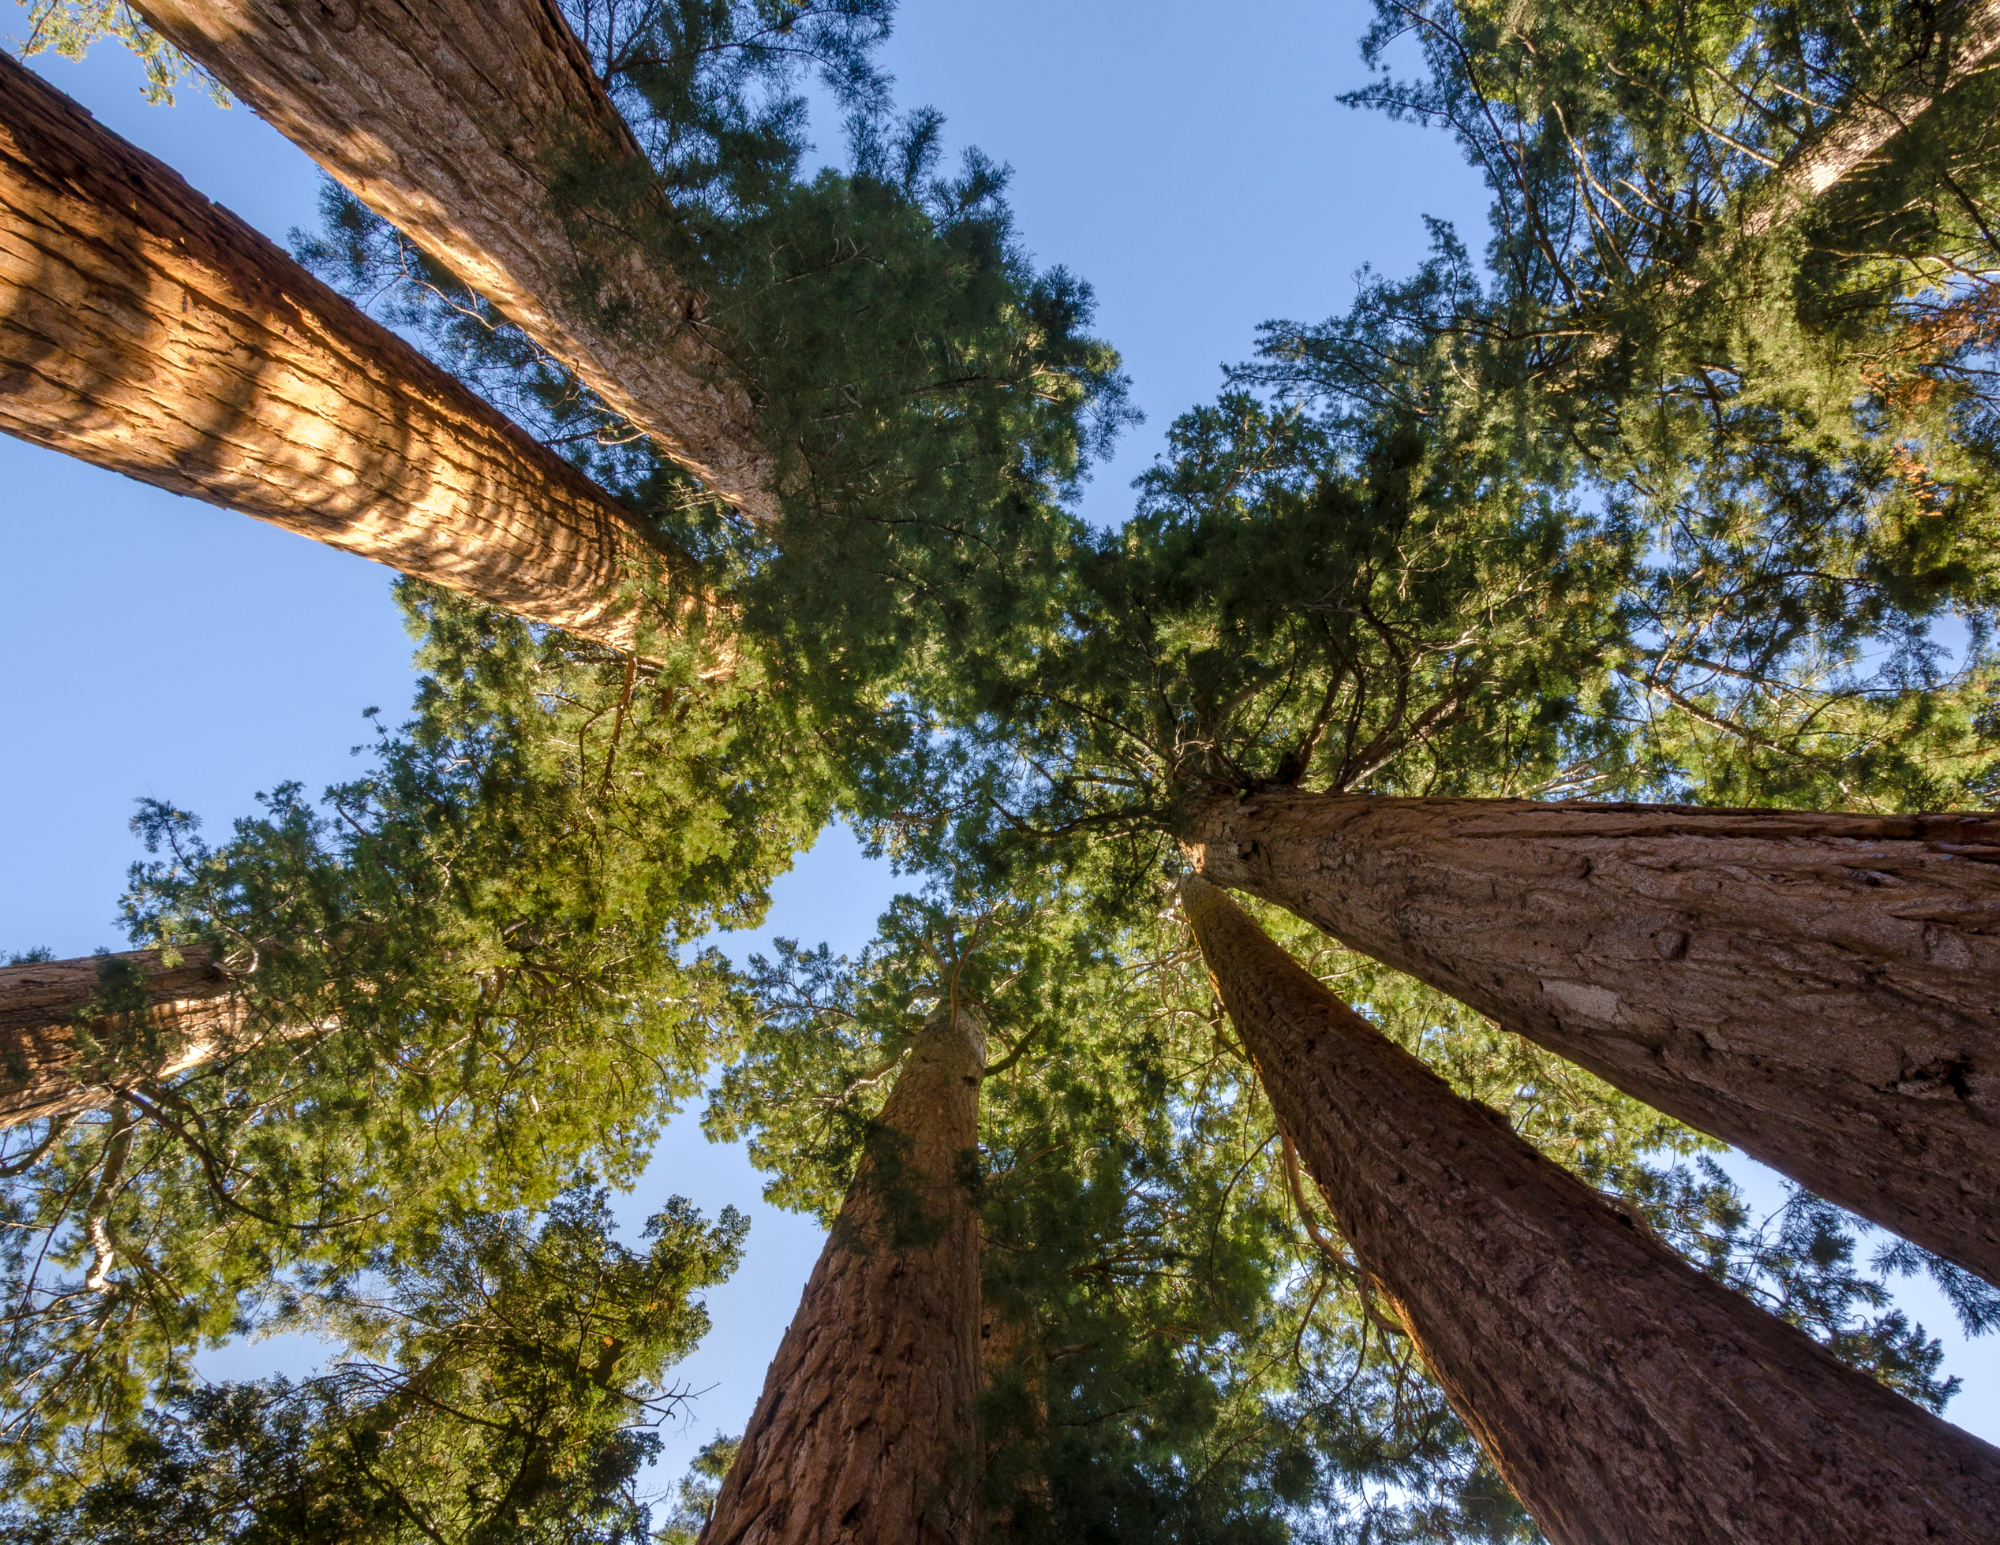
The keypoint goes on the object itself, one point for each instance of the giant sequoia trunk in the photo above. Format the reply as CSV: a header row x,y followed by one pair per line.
x,y
865,1431
1823,991
458,121
1966,37
1625,1397
191,1015
146,330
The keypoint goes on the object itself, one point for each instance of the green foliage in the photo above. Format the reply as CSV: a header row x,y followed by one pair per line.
x,y
497,1384
69,27
926,395
1379,606
467,976
694,1499
1390,615
1177,1345
1617,138
1784,410
909,365
1680,495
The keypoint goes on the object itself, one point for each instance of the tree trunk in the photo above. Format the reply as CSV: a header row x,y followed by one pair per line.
x,y
1823,991
1014,1418
1964,40
866,1429
193,1015
146,330
1623,1395
455,120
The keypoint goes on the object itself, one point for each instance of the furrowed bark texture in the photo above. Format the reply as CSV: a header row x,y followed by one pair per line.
x,y
1623,1395
147,330
42,1073
455,121
1823,991
864,1433
1966,41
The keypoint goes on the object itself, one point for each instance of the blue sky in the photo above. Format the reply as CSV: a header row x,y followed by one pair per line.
x,y
1189,160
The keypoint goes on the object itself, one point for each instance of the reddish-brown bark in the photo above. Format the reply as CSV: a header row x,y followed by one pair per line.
x,y
1823,991
456,120
194,1015
865,1432
1624,1396
147,330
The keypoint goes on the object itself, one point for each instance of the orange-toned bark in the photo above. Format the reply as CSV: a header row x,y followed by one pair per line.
x,y
149,331
193,1016
456,120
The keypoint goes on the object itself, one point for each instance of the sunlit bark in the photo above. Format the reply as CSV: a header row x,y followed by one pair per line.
x,y
149,331
1967,37
458,122
54,1063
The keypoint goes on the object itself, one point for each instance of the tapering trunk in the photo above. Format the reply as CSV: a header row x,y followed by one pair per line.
x,y
192,1016
865,1433
1823,991
1622,1394
457,122
147,330
1965,40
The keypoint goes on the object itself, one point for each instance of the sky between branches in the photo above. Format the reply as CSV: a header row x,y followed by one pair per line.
x,y
1189,160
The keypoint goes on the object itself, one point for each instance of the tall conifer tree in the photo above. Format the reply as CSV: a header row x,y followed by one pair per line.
x,y
1410,592
1176,1345
868,1424
1621,1393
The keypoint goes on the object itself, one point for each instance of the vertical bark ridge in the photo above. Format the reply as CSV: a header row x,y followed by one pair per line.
x,y
1821,990
149,331
193,1016
865,1431
452,119
1625,1397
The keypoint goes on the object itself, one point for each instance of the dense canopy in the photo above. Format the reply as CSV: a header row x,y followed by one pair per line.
x,y
1680,489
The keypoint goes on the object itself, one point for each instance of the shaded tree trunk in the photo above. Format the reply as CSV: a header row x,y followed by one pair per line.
x,y
456,120
1623,1395
1965,39
149,331
191,1015
866,1430
1822,991
1014,1421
